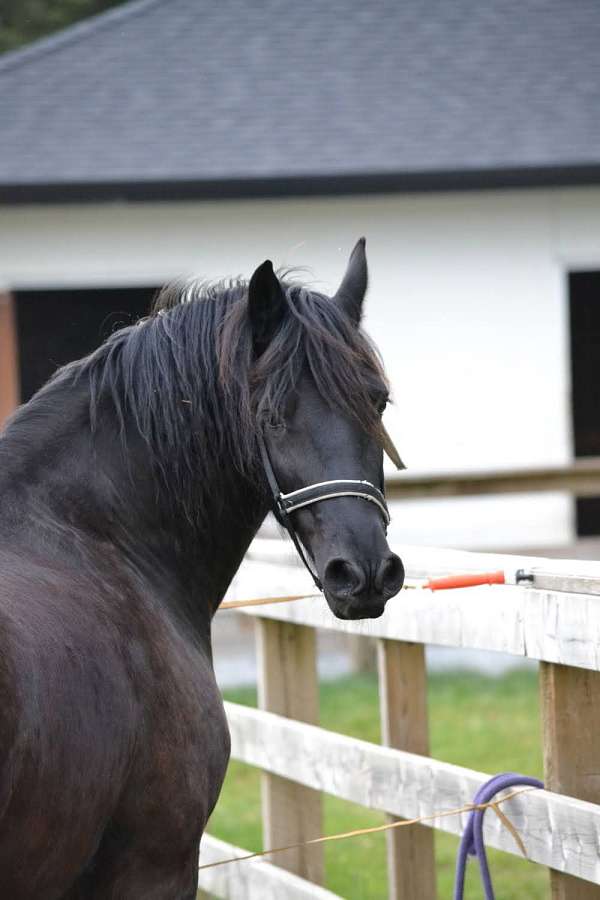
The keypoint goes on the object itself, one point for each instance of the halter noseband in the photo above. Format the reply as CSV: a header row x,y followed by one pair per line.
x,y
284,504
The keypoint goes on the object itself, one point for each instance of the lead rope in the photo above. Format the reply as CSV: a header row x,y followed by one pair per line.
x,y
472,843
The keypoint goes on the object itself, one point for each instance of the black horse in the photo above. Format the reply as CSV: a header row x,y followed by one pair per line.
x,y
130,488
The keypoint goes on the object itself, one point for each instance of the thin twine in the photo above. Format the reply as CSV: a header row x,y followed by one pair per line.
x,y
401,823
263,601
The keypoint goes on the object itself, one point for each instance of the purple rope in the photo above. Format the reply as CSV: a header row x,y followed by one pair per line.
x,y
471,843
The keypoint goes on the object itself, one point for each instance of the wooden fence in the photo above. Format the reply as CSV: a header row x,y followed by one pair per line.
x,y
557,624
581,477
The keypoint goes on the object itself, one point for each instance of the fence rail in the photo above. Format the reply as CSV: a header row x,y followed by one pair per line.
x,y
556,622
582,477
547,625
253,879
558,831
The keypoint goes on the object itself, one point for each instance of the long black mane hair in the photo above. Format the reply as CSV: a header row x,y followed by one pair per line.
x,y
188,379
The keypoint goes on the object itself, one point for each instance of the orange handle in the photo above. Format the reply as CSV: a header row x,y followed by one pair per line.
x,y
460,581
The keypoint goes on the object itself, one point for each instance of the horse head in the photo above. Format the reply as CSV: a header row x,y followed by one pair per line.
x,y
323,438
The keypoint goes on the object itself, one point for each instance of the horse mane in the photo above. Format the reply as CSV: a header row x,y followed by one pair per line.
x,y
191,363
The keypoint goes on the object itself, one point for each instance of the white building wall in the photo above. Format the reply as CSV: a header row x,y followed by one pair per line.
x,y
468,304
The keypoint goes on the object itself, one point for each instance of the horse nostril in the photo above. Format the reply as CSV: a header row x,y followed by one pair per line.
x,y
343,577
390,575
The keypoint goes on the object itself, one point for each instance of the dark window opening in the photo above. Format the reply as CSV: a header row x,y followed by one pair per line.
x,y
56,327
584,307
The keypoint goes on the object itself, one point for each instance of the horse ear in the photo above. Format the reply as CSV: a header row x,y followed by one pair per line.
x,y
352,290
266,305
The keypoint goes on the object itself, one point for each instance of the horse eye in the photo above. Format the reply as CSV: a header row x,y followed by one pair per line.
x,y
381,405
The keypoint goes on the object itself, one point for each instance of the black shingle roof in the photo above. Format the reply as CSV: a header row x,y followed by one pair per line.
x,y
192,97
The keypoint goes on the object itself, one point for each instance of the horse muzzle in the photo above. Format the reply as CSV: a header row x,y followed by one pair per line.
x,y
360,591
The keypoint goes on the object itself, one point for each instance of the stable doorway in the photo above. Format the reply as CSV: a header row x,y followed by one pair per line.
x,y
584,310
55,327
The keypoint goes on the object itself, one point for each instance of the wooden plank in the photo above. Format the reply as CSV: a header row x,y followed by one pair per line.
x,y
581,478
288,684
553,626
560,832
570,702
576,584
253,879
404,725
9,372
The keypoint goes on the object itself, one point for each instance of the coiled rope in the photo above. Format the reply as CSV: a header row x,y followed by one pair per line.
x,y
472,843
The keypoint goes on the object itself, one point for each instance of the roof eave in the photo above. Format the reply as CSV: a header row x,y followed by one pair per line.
x,y
295,186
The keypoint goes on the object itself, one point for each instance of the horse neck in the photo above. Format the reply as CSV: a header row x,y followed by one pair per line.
x,y
91,495
194,540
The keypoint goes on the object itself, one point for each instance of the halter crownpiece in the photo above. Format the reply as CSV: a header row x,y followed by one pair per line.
x,y
284,504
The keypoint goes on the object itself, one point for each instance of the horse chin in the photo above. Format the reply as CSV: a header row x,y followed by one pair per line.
x,y
355,607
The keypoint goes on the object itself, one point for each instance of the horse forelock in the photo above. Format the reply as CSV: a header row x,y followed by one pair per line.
x,y
316,335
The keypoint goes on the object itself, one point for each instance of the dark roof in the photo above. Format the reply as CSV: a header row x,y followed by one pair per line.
x,y
181,98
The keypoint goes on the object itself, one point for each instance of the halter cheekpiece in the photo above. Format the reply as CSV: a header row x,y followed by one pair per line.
x,y
284,504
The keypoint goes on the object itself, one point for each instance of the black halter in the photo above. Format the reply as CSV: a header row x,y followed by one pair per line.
x,y
284,504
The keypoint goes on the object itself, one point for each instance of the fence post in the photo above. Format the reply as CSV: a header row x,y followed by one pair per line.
x,y
363,654
9,376
404,725
570,705
288,685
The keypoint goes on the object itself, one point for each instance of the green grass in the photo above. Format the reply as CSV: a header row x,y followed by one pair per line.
x,y
487,724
